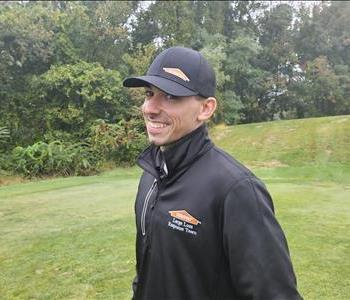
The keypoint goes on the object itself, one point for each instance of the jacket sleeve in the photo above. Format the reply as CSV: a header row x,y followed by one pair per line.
x,y
255,245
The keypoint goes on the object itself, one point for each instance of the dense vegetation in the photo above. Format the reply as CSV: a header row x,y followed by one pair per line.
x,y
63,108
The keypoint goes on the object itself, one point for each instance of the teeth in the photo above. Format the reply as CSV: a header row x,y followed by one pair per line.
x,y
157,125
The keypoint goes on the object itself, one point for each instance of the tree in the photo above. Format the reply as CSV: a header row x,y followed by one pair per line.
x,y
173,21
328,95
71,97
271,61
138,63
324,32
280,58
30,42
107,39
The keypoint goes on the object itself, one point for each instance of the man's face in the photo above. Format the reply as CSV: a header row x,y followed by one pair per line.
x,y
169,118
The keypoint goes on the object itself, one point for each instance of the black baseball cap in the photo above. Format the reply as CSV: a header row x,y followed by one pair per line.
x,y
178,71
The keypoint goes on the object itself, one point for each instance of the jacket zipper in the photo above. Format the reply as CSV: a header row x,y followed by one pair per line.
x,y
144,209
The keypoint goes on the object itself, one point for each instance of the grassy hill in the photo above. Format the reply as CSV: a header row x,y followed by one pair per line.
x,y
315,141
294,151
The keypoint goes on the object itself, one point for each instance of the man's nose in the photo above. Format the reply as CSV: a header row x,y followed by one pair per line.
x,y
152,105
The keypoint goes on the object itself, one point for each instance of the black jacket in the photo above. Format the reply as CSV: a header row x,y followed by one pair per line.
x,y
206,228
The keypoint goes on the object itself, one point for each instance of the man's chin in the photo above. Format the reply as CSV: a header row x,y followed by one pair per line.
x,y
160,142
155,141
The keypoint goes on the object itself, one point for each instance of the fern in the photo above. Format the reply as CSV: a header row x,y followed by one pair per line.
x,y
4,133
55,158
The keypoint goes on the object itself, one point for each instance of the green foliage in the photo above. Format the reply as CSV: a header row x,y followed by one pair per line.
x,y
4,134
247,81
121,142
230,108
173,21
26,45
105,38
138,63
229,102
71,97
62,63
55,158
327,95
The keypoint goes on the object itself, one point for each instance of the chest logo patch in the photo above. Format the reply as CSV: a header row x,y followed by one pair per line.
x,y
182,221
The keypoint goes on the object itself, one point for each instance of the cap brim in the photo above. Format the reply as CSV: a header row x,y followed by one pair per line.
x,y
166,85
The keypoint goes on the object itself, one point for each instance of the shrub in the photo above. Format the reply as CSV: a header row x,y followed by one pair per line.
x,y
121,142
4,133
55,158
5,162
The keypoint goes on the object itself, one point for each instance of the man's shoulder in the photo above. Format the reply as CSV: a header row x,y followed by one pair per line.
x,y
221,157
222,165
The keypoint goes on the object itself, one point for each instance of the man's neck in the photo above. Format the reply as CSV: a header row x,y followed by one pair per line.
x,y
168,146
165,147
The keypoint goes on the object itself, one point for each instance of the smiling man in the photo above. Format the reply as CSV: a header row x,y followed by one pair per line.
x,y
205,224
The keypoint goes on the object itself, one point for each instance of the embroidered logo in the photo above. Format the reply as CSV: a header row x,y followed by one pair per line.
x,y
183,221
177,72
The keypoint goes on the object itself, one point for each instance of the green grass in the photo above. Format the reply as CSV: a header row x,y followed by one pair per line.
x,y
288,143
316,221
68,238
73,238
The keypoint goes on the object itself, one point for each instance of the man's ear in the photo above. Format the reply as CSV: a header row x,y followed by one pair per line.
x,y
208,107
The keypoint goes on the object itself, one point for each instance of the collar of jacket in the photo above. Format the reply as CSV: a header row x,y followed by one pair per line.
x,y
179,156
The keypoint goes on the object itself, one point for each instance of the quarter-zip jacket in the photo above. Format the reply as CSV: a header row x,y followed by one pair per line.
x,y
206,228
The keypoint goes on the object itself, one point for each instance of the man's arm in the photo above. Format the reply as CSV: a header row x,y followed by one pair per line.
x,y
255,245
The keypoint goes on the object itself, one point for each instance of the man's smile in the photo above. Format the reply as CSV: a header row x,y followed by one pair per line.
x,y
157,127
157,124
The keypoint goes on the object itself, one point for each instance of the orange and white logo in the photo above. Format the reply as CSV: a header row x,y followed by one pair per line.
x,y
183,215
177,72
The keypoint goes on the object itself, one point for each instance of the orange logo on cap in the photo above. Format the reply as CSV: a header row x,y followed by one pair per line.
x,y
177,72
184,216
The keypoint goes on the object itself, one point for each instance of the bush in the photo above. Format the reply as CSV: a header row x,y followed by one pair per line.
x,y
121,142
5,162
4,133
55,158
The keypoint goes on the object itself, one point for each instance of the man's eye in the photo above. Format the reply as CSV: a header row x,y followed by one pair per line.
x,y
149,94
171,97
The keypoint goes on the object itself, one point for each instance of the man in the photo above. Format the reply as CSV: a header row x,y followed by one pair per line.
x,y
205,224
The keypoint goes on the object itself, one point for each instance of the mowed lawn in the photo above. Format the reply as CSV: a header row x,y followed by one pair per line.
x,y
70,238
73,238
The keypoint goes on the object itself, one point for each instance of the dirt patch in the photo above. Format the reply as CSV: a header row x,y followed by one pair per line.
x,y
220,135
7,180
341,120
268,164
328,152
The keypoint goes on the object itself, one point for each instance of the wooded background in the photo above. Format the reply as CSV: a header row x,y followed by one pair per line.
x,y
64,110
